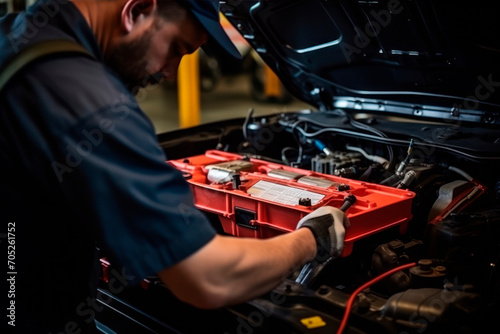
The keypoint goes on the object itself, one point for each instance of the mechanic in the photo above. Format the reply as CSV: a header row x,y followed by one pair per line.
x,y
81,169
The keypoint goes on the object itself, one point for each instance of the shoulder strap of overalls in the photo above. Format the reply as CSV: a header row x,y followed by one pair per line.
x,y
37,51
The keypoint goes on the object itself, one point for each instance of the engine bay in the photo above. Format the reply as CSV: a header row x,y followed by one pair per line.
x,y
437,275
422,249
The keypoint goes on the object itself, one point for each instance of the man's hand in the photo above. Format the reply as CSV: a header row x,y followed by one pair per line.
x,y
328,225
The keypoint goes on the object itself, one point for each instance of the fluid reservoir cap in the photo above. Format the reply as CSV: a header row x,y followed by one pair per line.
x,y
425,263
423,268
305,201
343,187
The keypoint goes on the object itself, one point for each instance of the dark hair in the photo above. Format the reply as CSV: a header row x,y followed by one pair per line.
x,y
171,10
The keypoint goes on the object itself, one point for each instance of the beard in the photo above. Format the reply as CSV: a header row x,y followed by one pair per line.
x,y
129,61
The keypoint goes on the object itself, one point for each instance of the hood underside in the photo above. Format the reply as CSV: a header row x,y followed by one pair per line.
x,y
424,59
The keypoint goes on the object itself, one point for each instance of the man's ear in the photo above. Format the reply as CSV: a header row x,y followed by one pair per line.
x,y
135,11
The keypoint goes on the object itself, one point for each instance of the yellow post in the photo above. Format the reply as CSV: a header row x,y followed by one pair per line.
x,y
272,84
189,91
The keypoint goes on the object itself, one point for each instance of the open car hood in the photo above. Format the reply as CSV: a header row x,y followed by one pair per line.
x,y
421,59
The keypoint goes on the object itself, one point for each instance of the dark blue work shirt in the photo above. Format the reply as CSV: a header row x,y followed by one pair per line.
x,y
81,168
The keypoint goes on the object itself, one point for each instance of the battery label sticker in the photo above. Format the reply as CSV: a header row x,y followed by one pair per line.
x,y
282,194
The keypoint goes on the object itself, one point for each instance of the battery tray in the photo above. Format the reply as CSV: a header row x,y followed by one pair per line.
x,y
260,199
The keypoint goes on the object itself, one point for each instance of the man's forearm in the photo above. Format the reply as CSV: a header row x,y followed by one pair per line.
x,y
262,264
230,270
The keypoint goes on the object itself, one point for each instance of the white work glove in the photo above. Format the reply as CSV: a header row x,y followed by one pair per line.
x,y
328,225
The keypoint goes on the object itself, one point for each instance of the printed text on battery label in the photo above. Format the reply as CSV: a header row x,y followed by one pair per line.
x,y
282,194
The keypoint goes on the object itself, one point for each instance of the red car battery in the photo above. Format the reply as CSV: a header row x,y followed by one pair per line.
x,y
261,199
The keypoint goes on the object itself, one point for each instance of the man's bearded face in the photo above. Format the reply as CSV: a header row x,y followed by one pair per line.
x,y
129,59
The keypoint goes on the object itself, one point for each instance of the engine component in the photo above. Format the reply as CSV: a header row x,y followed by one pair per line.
x,y
223,172
390,255
427,275
454,197
464,235
274,194
442,310
328,164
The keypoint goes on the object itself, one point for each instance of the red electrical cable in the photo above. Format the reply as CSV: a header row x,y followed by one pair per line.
x,y
356,292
